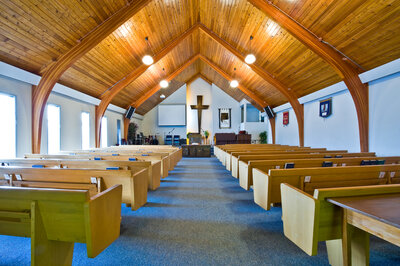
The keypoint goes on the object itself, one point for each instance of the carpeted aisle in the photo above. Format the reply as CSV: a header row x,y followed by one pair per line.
x,y
199,216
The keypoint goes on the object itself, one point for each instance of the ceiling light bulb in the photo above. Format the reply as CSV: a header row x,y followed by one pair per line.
x,y
164,83
162,96
147,60
250,59
234,83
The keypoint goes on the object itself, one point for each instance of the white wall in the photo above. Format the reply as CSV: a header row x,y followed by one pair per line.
x,y
337,132
199,87
23,94
70,118
384,115
340,130
223,100
149,124
287,135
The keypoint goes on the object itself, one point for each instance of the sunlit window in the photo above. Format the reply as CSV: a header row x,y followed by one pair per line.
x,y
8,124
53,129
104,134
85,120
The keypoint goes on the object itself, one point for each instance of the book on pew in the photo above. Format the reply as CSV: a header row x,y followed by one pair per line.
x,y
327,164
380,162
338,156
38,166
115,154
145,155
132,159
112,168
328,156
365,162
97,158
289,165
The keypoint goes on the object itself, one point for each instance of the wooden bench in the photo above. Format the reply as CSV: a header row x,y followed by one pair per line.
x,y
154,170
55,219
235,157
95,181
248,162
271,150
309,219
222,150
267,191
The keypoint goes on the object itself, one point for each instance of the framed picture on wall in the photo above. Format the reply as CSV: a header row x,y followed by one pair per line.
x,y
224,118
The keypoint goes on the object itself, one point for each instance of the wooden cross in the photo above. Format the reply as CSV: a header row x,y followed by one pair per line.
x,y
199,107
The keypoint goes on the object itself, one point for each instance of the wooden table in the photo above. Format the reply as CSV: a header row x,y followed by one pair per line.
x,y
363,215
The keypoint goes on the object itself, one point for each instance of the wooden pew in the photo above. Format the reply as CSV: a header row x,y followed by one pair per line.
x,y
140,181
224,149
309,219
154,170
271,150
267,191
55,219
248,162
235,156
95,181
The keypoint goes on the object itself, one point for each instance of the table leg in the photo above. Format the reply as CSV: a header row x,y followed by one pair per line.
x,y
355,244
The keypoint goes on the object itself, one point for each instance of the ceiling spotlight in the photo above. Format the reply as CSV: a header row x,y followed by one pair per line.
x,y
250,59
164,84
162,96
234,83
147,60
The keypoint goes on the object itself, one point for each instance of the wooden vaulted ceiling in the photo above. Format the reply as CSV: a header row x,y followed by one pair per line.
x,y
35,33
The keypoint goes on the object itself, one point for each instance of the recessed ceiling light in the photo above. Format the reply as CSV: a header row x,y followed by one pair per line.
x,y
234,83
250,59
162,96
164,84
147,60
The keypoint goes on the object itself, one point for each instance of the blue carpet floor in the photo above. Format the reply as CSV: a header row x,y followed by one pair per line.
x,y
199,216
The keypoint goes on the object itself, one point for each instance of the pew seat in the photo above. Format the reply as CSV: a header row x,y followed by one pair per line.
x,y
248,162
55,219
93,180
267,189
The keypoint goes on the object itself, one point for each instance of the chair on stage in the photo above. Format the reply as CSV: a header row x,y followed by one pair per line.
x,y
176,140
168,140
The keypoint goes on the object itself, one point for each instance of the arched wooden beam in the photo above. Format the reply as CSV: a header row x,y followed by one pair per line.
x,y
107,97
55,71
290,95
260,102
126,127
142,99
348,71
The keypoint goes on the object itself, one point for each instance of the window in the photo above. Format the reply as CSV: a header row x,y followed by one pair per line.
x,y
119,132
85,120
53,129
8,123
104,134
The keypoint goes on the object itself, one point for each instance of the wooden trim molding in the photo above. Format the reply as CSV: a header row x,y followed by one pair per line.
x,y
51,75
346,70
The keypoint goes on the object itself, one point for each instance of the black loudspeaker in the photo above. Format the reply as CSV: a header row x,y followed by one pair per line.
x,y
130,112
269,112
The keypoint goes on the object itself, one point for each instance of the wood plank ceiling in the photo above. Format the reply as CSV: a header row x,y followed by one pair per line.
x,y
34,33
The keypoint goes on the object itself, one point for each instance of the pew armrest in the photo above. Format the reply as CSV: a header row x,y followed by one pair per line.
x,y
300,215
102,220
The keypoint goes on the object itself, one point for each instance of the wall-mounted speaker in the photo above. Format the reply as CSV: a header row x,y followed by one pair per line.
x,y
269,112
130,112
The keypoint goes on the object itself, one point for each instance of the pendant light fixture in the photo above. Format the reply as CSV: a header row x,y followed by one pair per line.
x,y
234,83
164,83
147,59
250,58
